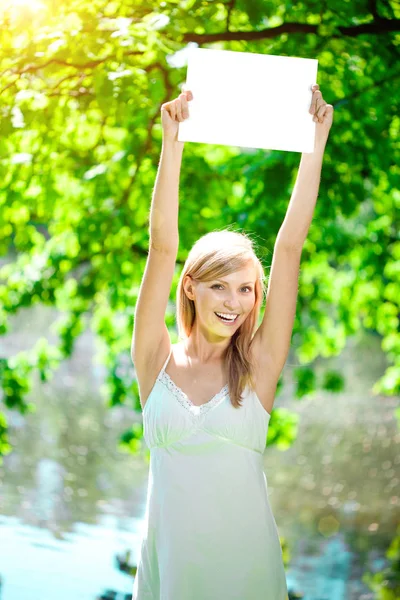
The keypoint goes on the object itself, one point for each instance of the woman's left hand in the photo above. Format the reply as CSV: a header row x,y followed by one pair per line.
x,y
323,115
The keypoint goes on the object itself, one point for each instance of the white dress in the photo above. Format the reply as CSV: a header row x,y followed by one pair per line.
x,y
209,530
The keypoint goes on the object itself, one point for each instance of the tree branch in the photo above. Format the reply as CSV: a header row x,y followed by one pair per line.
x,y
378,26
32,68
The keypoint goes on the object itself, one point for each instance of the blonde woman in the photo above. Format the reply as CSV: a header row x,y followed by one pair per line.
x,y
210,533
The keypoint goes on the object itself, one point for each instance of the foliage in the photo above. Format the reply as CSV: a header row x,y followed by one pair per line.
x,y
386,583
81,88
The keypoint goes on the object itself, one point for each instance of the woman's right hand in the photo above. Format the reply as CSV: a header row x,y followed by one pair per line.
x,y
173,113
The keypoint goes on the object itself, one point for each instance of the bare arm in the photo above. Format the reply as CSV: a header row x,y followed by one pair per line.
x,y
150,338
164,234
296,224
273,337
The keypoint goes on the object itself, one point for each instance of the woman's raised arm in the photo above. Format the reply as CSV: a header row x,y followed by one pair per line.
x,y
150,339
164,234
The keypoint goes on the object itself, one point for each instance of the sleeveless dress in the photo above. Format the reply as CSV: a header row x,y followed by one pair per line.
x,y
209,530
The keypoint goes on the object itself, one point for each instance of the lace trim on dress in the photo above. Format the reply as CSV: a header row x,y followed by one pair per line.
x,y
183,399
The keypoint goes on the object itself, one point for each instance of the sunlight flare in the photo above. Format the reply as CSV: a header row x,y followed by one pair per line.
x,y
31,5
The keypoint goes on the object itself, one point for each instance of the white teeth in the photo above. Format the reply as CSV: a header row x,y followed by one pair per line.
x,y
230,317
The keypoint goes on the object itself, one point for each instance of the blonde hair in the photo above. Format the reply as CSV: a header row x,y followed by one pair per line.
x,y
214,255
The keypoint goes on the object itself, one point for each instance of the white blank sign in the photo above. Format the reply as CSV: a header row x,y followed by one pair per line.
x,y
250,100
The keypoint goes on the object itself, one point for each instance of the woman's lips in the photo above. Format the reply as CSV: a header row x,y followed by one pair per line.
x,y
226,322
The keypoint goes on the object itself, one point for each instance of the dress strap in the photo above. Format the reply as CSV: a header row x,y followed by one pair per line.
x,y
166,362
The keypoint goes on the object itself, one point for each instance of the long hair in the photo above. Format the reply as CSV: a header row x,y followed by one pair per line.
x,y
214,255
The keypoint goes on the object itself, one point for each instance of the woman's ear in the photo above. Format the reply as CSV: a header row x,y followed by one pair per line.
x,y
188,287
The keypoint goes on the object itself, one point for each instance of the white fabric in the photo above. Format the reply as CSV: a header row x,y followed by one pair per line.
x,y
210,533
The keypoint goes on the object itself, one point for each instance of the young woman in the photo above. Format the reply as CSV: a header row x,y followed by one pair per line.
x,y
210,532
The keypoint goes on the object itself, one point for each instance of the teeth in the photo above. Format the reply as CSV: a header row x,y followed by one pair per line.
x,y
230,317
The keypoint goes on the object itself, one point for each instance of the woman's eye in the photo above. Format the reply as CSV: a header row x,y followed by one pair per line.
x,y
246,287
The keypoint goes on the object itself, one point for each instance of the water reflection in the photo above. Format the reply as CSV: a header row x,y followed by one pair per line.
x,y
48,493
65,467
344,465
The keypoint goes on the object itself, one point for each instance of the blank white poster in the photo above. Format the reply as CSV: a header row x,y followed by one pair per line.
x,y
250,100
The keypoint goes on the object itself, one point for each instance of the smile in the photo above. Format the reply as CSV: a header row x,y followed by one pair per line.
x,y
227,320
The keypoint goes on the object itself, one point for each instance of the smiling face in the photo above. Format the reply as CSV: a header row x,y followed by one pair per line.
x,y
233,294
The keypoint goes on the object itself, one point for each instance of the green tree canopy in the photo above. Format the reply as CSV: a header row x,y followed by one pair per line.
x,y
82,83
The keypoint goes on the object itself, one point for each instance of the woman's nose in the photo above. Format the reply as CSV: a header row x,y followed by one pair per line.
x,y
230,305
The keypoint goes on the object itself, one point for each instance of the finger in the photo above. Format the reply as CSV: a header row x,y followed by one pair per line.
x,y
317,96
317,114
166,107
185,107
171,109
178,107
187,92
328,112
316,99
321,113
318,105
313,88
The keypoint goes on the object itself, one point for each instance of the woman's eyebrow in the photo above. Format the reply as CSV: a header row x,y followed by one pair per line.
x,y
228,283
